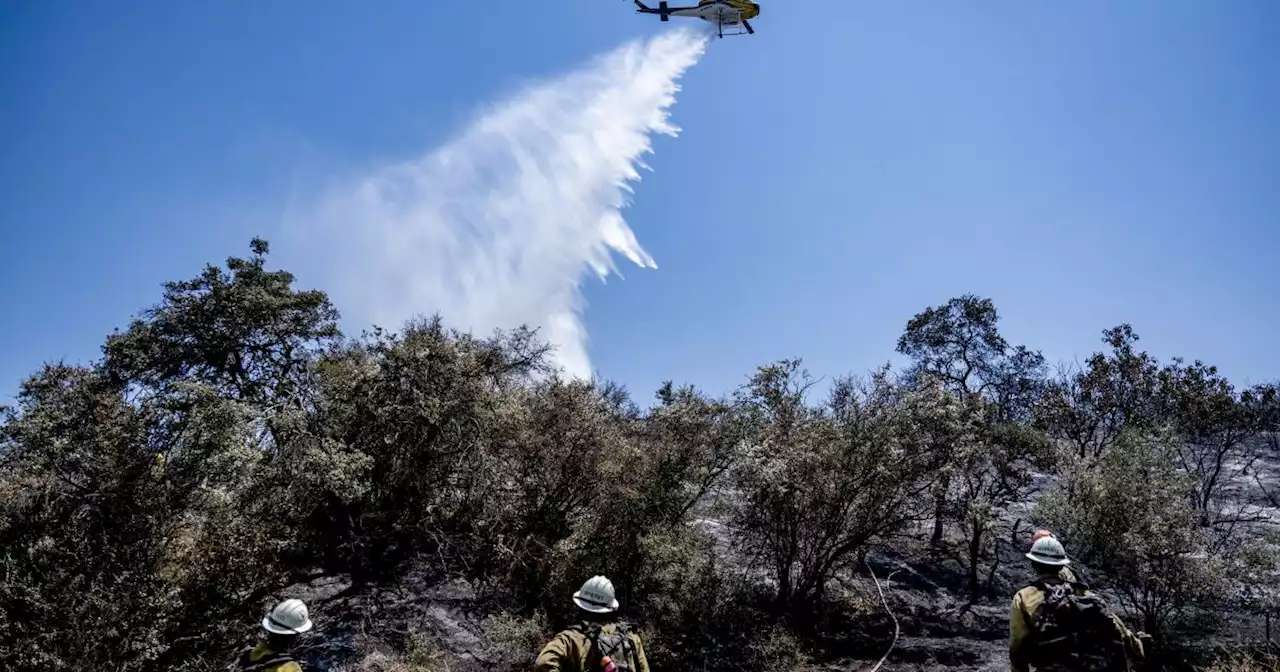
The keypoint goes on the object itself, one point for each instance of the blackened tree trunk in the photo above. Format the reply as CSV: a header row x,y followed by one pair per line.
x,y
975,555
939,510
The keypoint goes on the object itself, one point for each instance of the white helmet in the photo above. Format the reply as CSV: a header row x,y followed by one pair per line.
x,y
1047,550
288,618
596,596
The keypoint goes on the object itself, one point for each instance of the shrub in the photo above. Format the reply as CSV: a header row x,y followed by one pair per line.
x,y
513,642
1131,516
818,484
1246,661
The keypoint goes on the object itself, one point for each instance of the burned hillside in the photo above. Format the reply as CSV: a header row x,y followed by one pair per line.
x,y
436,496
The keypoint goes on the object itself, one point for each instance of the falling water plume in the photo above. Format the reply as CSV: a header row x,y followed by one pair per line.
x,y
498,227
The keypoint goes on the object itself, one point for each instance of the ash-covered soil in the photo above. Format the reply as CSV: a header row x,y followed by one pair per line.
x,y
940,628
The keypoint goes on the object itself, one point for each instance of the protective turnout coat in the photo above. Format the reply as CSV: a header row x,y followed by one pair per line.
x,y
1024,607
262,659
569,650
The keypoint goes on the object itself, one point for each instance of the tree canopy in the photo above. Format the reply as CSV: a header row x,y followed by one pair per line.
x,y
231,443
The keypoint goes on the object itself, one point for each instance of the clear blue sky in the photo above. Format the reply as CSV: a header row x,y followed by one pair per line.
x,y
1081,163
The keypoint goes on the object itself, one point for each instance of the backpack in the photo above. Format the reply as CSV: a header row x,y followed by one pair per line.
x,y
616,645
1074,630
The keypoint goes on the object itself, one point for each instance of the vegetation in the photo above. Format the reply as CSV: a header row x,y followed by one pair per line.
x,y
1129,515
232,443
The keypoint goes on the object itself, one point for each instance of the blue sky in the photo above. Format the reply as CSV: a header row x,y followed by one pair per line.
x,y
1083,164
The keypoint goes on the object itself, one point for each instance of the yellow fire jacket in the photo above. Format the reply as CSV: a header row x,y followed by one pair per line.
x,y
569,650
1024,605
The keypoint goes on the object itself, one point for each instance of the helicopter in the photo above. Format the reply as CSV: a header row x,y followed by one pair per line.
x,y
732,13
